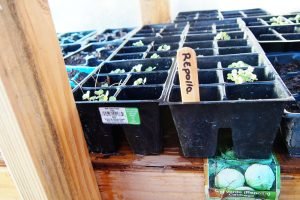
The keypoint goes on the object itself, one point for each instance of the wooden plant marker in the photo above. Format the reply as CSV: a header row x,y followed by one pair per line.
x,y
188,75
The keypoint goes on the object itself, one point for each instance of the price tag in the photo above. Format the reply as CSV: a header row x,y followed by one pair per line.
x,y
117,115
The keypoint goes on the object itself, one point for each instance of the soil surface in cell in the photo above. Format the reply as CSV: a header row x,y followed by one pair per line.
x,y
288,67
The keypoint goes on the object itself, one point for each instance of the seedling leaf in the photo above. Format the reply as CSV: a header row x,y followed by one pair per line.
x,y
138,44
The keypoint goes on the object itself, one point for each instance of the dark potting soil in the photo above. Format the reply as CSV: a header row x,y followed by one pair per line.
x,y
293,84
293,107
77,59
288,67
110,36
80,77
80,58
72,73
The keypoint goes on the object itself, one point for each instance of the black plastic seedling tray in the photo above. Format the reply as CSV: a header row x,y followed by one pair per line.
x,y
287,65
271,35
145,136
92,55
74,37
67,49
110,35
209,15
245,109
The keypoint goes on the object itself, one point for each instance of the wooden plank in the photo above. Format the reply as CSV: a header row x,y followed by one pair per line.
x,y
40,133
155,11
170,175
8,190
168,184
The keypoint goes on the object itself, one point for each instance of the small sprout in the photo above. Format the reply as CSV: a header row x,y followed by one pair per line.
x,y
278,21
164,47
137,68
296,18
238,64
241,76
150,69
155,55
99,95
140,81
138,44
99,92
117,71
86,95
222,36
112,98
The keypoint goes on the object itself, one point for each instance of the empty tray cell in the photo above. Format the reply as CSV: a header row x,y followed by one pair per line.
x,y
78,93
205,77
133,49
286,29
105,80
69,48
162,53
234,50
292,36
199,32
204,52
223,26
160,64
199,45
262,74
194,38
152,78
228,43
167,40
207,93
254,91
165,47
144,35
236,35
171,33
263,37
140,93
228,29
200,28
127,56
251,59
258,23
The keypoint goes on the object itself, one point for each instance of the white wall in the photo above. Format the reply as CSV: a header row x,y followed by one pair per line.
x,y
73,15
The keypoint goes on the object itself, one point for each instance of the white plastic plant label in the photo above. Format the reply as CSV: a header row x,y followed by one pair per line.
x,y
117,115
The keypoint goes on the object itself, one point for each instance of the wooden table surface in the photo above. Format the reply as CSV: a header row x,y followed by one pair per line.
x,y
170,176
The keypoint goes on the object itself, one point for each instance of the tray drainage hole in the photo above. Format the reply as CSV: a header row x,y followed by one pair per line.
x,y
224,140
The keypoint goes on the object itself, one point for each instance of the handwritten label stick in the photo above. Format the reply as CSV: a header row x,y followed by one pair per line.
x,y
188,75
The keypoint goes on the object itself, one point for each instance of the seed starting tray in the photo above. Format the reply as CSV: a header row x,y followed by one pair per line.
x,y
74,37
206,15
223,104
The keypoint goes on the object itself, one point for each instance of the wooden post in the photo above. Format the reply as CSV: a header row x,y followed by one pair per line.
x,y
155,11
41,138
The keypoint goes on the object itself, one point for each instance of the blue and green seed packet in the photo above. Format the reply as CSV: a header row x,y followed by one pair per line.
x,y
227,177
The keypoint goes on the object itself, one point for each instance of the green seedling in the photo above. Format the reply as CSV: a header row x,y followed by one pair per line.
x,y
239,64
155,55
278,21
150,69
117,71
138,44
296,18
164,47
100,95
222,36
137,68
140,81
241,76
